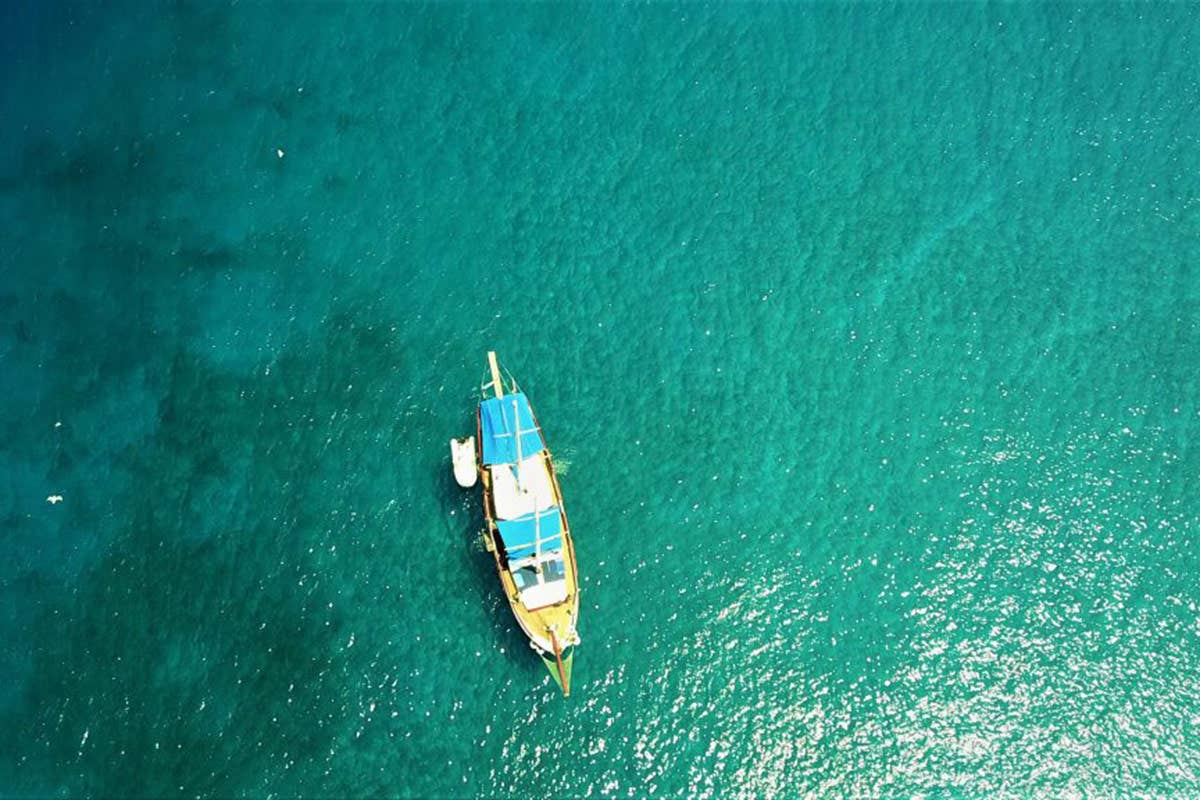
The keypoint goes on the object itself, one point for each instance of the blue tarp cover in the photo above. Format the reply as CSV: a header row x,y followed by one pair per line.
x,y
498,422
520,534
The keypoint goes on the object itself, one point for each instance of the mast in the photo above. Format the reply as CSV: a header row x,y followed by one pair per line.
x,y
517,428
497,384
537,528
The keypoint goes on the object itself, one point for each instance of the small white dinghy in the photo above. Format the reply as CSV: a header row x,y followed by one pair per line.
x,y
462,453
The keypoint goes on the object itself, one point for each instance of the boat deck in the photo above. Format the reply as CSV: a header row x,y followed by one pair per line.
x,y
560,617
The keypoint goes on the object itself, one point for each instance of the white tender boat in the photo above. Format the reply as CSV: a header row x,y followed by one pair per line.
x,y
462,454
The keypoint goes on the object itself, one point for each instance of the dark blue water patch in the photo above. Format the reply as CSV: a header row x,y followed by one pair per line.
x,y
206,493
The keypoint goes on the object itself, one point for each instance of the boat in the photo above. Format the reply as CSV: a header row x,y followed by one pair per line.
x,y
526,527
462,456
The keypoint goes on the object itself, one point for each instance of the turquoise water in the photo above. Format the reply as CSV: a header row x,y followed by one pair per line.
x,y
866,337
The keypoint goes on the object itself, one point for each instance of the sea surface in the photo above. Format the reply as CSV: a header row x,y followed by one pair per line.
x,y
866,338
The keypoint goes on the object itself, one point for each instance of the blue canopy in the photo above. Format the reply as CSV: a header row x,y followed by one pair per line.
x,y
520,535
499,419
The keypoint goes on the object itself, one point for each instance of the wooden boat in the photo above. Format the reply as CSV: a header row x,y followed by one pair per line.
x,y
526,530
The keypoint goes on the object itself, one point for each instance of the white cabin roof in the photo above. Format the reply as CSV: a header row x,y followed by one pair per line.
x,y
544,594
